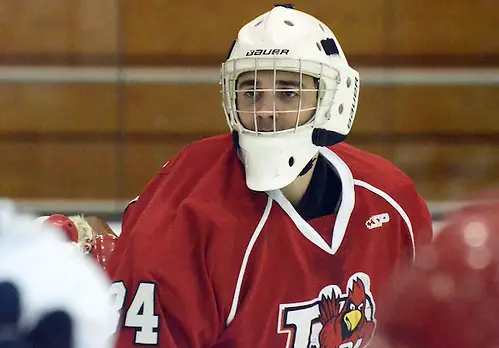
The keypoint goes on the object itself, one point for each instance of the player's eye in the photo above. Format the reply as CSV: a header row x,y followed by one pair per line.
x,y
251,94
289,94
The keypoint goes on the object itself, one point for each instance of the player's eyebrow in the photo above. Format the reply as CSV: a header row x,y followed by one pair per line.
x,y
280,83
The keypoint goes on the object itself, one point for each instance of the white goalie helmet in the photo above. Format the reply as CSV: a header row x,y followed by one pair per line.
x,y
287,40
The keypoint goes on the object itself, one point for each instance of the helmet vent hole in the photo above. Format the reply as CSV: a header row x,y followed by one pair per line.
x,y
340,109
289,23
319,46
349,82
291,161
257,24
320,26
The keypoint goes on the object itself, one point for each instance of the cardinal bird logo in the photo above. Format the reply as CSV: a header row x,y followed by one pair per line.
x,y
335,319
345,319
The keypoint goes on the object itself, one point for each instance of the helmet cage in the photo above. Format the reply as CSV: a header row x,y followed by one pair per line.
x,y
327,81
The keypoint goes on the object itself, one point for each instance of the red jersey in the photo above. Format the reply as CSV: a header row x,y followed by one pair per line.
x,y
203,261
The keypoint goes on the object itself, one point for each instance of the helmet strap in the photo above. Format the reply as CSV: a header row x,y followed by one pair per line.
x,y
324,137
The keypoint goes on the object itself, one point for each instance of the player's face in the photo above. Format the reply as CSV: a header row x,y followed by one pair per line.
x,y
290,105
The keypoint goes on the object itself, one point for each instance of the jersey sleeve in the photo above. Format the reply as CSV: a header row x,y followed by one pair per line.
x,y
162,285
131,213
419,216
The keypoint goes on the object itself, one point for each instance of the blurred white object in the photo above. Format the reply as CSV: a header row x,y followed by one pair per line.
x,y
51,274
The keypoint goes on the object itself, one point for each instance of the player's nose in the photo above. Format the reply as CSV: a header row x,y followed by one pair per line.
x,y
267,112
266,105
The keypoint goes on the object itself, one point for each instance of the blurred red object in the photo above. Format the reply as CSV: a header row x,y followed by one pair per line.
x,y
103,248
65,224
92,235
451,297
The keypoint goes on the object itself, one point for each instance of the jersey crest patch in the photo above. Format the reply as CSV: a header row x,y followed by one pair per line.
x,y
335,319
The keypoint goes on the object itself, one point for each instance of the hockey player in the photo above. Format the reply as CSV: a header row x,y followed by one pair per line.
x,y
451,297
278,234
51,296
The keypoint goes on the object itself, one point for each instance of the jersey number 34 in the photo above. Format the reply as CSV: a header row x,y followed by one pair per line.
x,y
140,315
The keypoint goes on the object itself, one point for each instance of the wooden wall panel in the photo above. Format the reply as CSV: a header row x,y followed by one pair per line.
x,y
98,148
437,27
58,170
58,27
198,31
107,170
457,109
38,108
374,111
173,109
196,110
200,28
373,29
444,171
427,110
141,162
382,110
